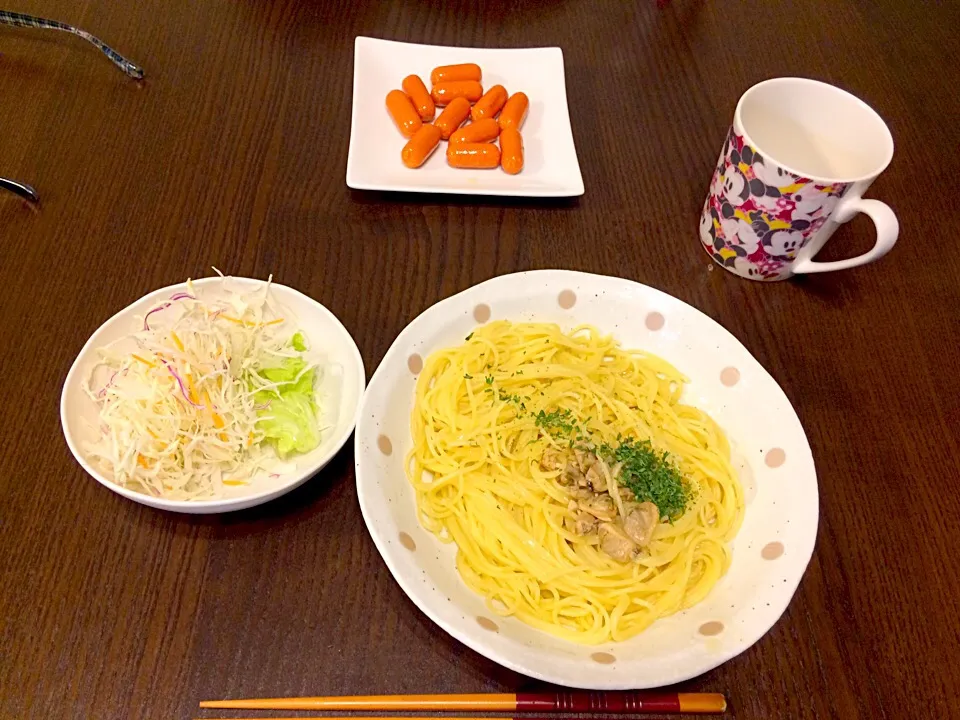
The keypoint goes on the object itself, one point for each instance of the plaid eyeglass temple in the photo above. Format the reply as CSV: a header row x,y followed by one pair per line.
x,y
29,21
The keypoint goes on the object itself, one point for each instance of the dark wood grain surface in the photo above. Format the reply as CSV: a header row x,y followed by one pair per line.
x,y
233,154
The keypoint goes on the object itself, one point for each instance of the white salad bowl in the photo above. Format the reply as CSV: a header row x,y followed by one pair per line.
x,y
339,391
769,451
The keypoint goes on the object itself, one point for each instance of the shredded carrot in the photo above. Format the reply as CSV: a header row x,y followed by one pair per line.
x,y
193,393
176,340
142,461
152,434
250,439
144,361
217,420
238,321
223,436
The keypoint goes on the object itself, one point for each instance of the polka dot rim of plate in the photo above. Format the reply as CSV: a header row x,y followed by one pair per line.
x,y
768,448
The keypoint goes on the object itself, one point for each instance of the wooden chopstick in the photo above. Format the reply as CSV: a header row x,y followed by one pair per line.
x,y
629,703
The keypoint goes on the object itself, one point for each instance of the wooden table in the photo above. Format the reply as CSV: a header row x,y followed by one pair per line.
x,y
233,154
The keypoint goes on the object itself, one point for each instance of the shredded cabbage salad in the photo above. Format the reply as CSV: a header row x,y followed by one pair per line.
x,y
206,395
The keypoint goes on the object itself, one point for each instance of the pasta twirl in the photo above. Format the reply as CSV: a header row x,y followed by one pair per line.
x,y
489,411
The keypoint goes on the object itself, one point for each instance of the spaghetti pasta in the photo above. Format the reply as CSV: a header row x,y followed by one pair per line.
x,y
487,417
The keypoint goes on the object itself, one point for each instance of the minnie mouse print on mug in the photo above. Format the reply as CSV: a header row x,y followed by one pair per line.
x,y
794,166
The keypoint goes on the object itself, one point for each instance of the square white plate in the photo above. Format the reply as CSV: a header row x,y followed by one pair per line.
x,y
550,158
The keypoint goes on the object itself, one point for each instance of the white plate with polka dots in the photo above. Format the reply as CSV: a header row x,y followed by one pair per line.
x,y
770,451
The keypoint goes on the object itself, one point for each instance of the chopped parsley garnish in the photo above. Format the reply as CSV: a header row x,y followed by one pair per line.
x,y
558,422
469,336
467,376
650,475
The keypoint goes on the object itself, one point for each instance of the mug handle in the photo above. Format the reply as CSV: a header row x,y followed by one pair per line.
x,y
888,228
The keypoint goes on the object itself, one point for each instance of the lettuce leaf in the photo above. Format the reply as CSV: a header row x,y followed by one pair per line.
x,y
290,421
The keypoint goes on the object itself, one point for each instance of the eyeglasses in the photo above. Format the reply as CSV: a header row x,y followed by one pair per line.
x,y
29,21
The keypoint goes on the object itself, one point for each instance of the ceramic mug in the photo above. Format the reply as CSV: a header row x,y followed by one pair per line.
x,y
795,165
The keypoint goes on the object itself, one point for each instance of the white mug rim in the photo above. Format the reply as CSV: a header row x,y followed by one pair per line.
x,y
738,122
